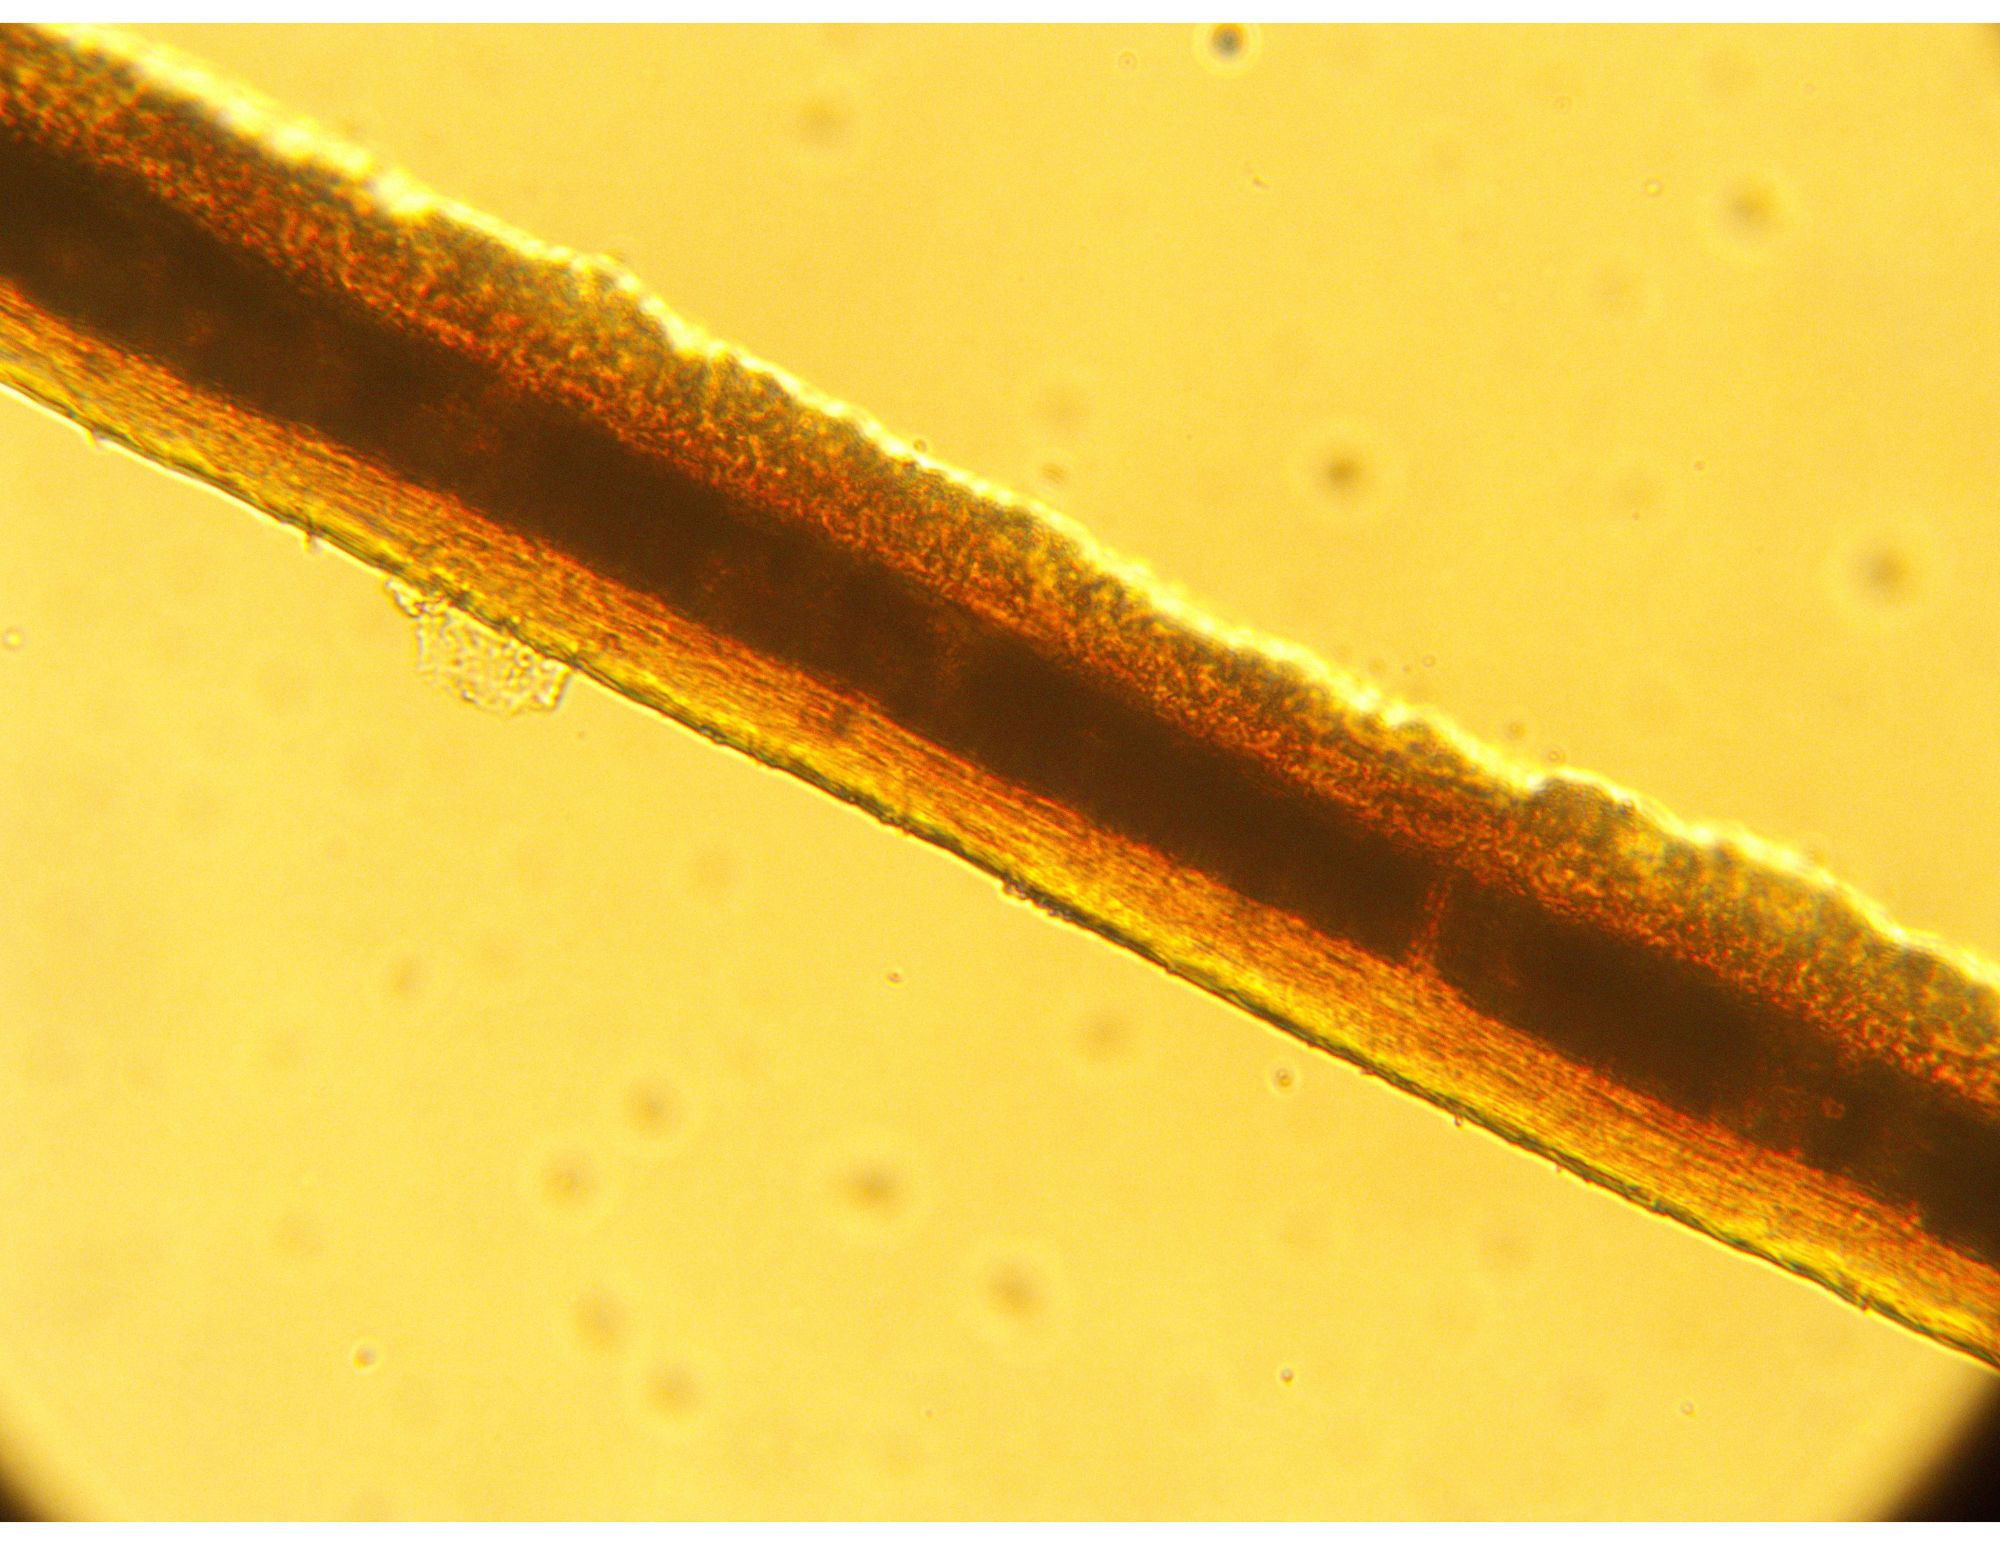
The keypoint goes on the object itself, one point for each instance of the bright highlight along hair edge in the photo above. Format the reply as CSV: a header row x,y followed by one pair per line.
x,y
1703,1023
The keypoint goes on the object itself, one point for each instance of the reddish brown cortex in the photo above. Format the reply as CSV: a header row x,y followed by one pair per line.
x,y
1701,1023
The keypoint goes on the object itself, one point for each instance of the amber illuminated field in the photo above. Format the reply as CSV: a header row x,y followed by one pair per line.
x,y
1698,1020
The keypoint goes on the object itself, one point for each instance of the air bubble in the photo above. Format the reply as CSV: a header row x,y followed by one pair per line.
x,y
1015,1292
598,1319
1728,75
1345,473
873,1190
825,122
1887,573
1884,578
712,872
1622,287
1349,472
12,638
1015,1296
477,663
1104,1038
672,1392
1753,211
297,1237
653,1112
1062,406
567,1183
1227,47
406,978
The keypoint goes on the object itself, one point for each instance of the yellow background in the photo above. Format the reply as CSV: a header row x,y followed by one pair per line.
x,y
414,1111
